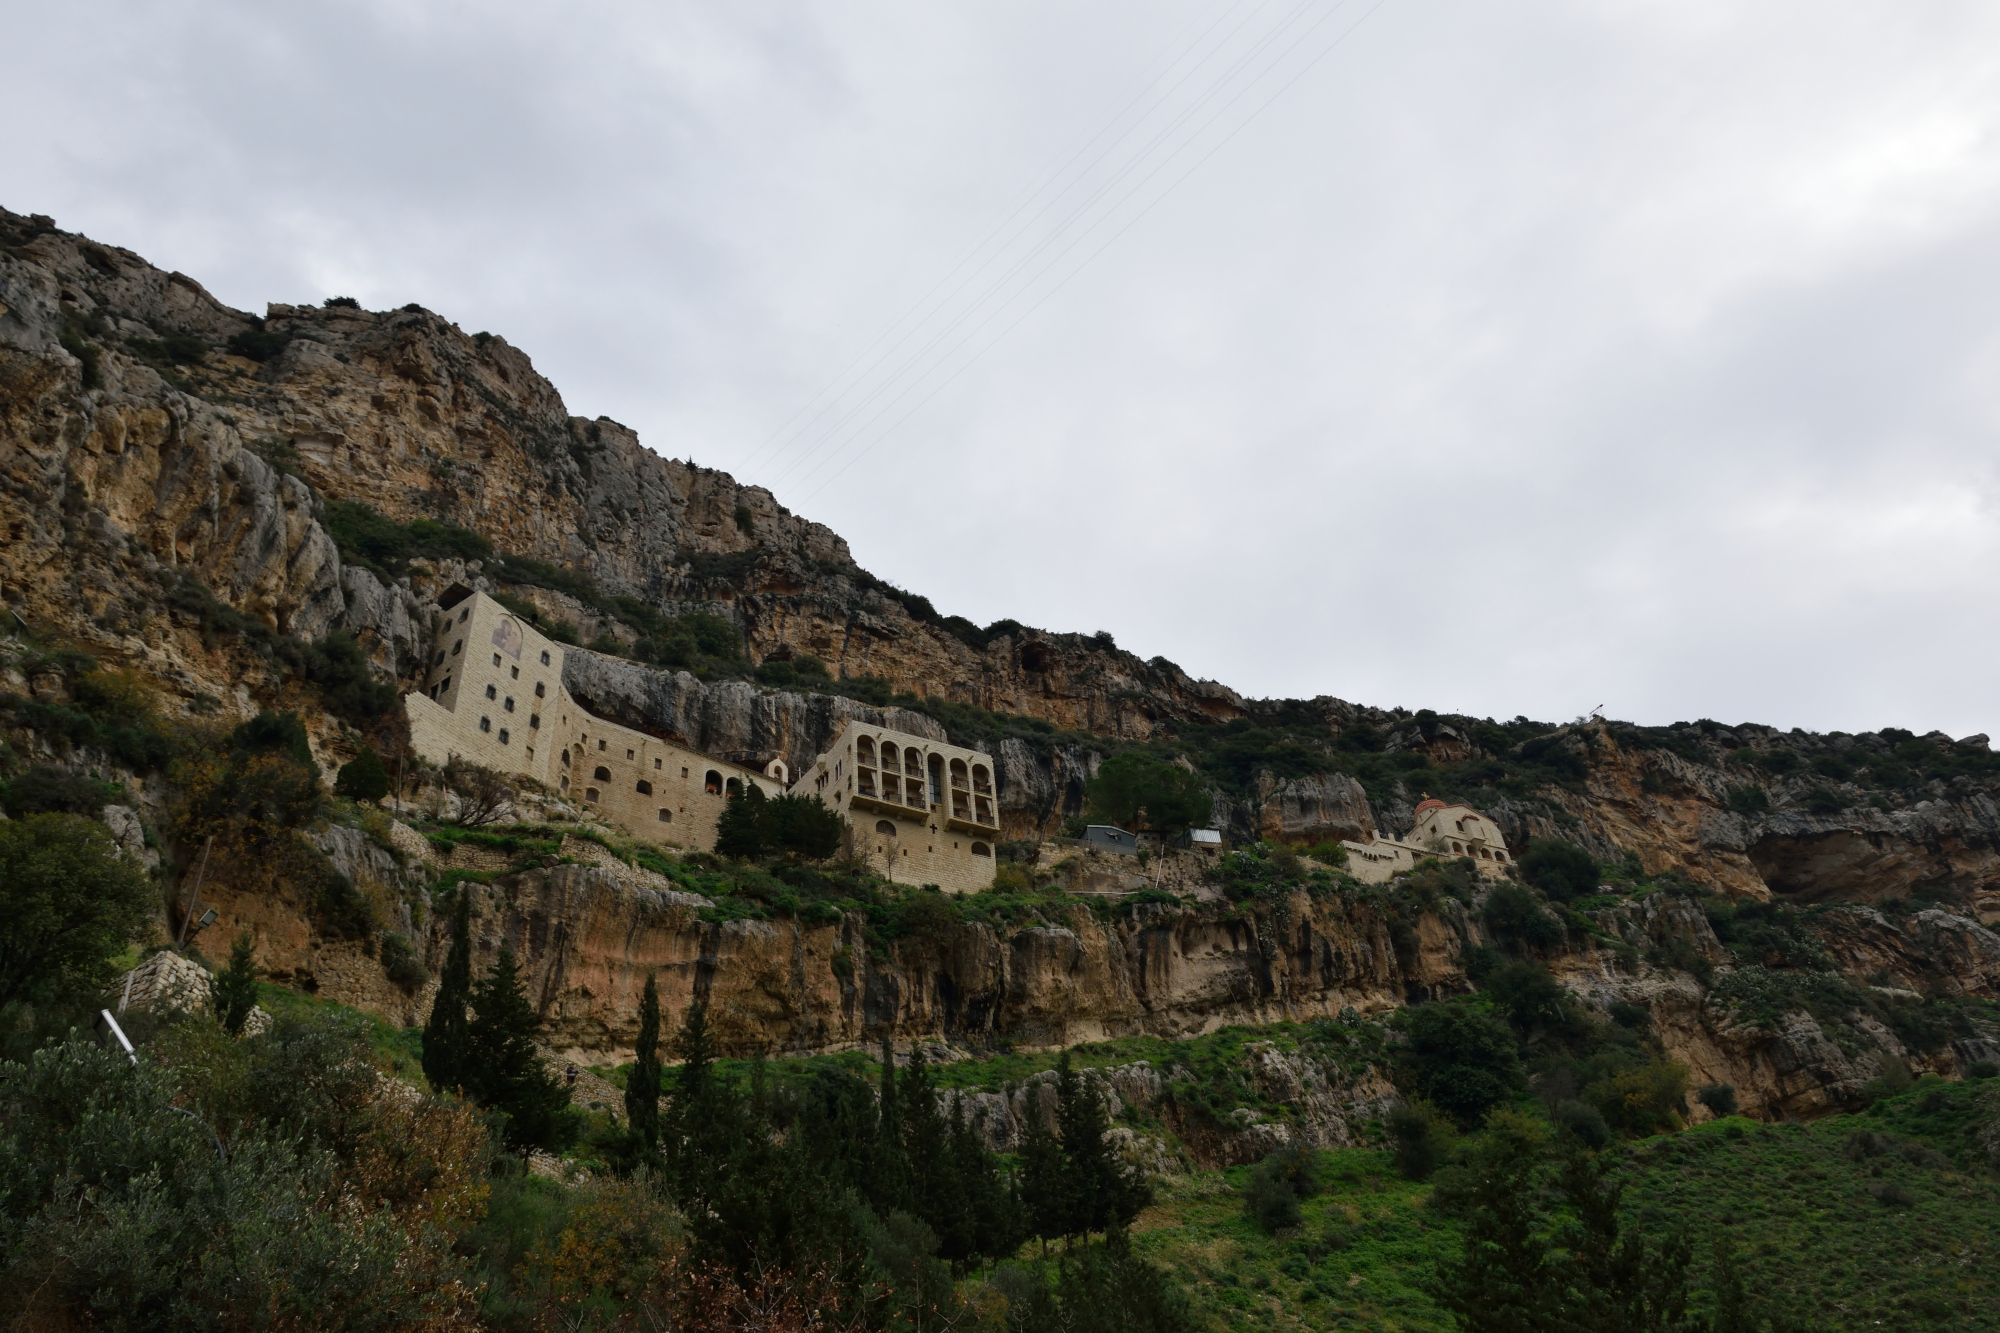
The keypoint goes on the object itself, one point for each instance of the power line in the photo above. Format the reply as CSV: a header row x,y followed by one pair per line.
x,y
1109,241
911,364
1029,197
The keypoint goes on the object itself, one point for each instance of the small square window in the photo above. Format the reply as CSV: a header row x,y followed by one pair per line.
x,y
509,705
514,673
486,724
503,735
540,689
496,659
628,754
656,765
600,745
535,722
545,658
492,692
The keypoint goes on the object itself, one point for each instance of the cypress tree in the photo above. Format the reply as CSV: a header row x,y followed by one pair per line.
x,y
1104,1194
642,1089
503,1069
741,829
233,991
892,1167
445,1034
700,1128
1045,1187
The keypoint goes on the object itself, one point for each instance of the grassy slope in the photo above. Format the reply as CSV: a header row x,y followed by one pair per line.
x,y
1800,1204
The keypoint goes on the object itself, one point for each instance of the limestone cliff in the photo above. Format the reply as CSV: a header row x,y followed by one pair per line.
x,y
166,467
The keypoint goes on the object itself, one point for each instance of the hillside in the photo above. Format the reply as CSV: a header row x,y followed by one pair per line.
x,y
211,513
1752,968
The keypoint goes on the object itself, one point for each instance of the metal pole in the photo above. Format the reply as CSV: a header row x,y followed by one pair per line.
x,y
195,901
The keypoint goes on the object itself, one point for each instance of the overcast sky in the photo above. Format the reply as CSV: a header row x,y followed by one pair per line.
x,y
1492,358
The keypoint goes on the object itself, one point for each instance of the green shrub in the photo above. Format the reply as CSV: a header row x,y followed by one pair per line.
x,y
1719,1098
45,789
400,962
1515,916
1277,1186
71,899
1462,1057
363,778
1747,799
1423,1139
1171,798
257,343
1559,869
1583,1120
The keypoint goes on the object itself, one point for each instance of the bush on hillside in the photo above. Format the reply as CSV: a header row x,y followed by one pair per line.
x,y
70,899
1563,871
1461,1057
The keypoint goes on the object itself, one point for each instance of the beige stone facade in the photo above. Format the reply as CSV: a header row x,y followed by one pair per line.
x,y
495,696
920,811
1441,830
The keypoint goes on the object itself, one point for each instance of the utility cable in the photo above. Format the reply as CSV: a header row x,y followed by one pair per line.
x,y
1175,183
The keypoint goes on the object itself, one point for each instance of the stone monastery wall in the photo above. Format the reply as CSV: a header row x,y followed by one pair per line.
x,y
495,696
921,811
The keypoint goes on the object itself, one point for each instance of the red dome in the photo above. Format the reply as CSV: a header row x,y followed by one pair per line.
x,y
1432,804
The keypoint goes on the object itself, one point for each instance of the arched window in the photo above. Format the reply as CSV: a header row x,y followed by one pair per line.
x,y
565,758
885,828
601,773
564,784
913,763
645,788
590,793
666,816
981,779
958,773
712,783
937,780
888,755
864,752
733,787
981,849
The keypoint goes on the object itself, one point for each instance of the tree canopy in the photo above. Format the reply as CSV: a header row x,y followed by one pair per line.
x,y
1171,798
71,900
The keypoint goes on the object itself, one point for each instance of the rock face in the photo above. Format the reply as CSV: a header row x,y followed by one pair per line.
x,y
166,470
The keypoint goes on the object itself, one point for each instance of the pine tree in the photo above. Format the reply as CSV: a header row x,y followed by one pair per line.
x,y
445,1034
642,1089
233,991
503,1069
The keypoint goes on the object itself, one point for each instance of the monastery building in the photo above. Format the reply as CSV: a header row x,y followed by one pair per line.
x,y
1441,830
921,811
